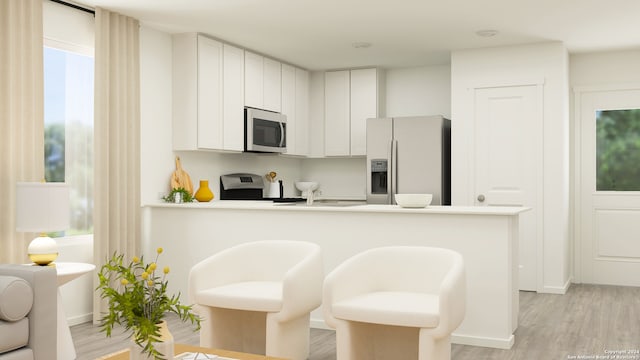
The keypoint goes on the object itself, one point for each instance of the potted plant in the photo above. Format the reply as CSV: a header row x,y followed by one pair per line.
x,y
178,195
138,301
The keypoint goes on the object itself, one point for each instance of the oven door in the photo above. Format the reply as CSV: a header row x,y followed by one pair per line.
x,y
265,131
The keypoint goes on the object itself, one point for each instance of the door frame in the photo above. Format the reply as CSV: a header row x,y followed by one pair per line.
x,y
576,243
539,83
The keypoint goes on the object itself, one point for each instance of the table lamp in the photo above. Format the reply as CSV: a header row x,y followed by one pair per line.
x,y
42,207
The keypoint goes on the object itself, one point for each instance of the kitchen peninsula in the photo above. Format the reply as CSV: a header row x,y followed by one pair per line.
x,y
487,237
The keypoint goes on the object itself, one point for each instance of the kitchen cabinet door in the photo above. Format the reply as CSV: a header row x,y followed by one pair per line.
x,y
289,106
253,80
209,93
233,98
272,85
302,112
364,105
337,113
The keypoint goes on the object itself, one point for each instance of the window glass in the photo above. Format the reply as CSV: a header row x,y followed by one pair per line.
x,y
618,150
68,106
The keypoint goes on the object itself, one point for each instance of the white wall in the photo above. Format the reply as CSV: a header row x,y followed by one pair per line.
x,y
339,178
615,67
547,62
156,156
419,91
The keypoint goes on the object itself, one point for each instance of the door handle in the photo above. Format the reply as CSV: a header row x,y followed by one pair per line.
x,y
480,198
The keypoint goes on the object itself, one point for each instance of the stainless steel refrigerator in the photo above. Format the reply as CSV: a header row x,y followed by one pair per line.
x,y
409,155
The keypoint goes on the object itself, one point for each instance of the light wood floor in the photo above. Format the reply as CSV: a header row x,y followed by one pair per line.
x,y
589,320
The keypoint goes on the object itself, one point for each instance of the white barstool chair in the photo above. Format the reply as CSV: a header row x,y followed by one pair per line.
x,y
396,302
256,297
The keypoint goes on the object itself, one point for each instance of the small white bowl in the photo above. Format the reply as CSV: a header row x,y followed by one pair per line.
x,y
305,186
413,200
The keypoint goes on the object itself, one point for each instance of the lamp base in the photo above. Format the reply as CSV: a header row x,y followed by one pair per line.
x,y
43,250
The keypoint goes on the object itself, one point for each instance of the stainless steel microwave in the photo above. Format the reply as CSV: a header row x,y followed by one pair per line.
x,y
264,131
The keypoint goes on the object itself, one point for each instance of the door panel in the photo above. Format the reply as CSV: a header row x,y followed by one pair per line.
x,y
609,250
507,150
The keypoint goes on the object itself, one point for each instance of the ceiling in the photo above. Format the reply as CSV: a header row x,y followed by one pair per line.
x,y
319,35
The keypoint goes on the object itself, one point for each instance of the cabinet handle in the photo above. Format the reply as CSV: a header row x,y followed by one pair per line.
x,y
480,198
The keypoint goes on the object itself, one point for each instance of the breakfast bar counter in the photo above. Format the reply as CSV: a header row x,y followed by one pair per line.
x,y
487,238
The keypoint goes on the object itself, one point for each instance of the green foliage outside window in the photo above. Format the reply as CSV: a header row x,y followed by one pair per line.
x,y
79,170
618,150
54,153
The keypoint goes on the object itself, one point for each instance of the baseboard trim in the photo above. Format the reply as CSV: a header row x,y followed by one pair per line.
x,y
80,319
319,324
560,290
455,338
495,343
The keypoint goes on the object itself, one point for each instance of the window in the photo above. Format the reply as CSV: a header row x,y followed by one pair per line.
x,y
68,107
618,150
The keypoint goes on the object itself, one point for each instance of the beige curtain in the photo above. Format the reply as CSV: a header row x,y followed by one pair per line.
x,y
21,115
116,140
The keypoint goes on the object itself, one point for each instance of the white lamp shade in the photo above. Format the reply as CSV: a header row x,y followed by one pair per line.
x,y
42,207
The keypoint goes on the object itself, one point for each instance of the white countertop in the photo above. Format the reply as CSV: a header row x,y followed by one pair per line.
x,y
340,206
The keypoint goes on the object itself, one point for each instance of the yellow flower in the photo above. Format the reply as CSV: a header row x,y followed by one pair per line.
x,y
145,275
166,270
124,282
152,266
150,282
136,259
159,250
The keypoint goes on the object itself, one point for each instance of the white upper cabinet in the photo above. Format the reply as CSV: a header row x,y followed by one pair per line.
x,y
337,129
253,80
272,85
197,92
351,96
208,94
364,105
302,113
289,106
295,105
233,98
263,83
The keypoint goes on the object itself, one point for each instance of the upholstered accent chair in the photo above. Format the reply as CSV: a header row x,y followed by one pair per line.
x,y
257,297
28,312
399,302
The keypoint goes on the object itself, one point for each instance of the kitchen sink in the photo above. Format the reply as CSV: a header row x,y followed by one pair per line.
x,y
335,203
329,203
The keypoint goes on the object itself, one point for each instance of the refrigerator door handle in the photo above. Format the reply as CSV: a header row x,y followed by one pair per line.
x,y
394,171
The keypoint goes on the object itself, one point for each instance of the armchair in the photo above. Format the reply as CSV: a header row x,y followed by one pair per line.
x,y
257,297
397,302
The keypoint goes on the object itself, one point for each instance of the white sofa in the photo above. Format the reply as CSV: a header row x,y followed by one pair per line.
x,y
28,312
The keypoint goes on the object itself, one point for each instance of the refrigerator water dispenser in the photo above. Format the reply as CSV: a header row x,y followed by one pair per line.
x,y
379,176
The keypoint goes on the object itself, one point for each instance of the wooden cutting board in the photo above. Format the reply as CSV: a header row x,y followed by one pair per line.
x,y
180,178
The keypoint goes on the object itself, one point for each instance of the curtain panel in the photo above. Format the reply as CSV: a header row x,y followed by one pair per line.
x,y
117,209
21,115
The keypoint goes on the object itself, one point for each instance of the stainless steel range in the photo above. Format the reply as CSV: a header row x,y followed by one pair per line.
x,y
241,186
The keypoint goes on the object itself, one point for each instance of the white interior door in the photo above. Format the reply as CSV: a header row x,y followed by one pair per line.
x,y
608,236
508,124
